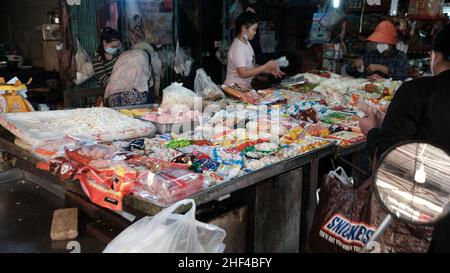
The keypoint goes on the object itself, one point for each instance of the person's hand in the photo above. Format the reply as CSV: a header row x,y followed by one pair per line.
x,y
273,68
378,68
368,123
358,64
379,116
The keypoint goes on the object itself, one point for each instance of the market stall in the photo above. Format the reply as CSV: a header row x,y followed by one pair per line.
x,y
270,160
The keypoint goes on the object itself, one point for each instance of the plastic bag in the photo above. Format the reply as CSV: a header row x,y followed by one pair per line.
x,y
177,97
85,69
170,185
206,88
341,209
53,148
168,232
183,62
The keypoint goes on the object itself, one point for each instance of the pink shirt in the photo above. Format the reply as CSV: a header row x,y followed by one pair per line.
x,y
239,55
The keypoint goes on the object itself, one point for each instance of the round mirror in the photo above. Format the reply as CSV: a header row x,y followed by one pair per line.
x,y
413,183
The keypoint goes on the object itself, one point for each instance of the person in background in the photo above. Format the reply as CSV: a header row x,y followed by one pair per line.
x,y
107,54
419,111
386,61
241,67
130,80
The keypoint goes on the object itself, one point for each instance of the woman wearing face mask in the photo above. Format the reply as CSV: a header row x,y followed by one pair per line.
x,y
106,56
127,77
386,60
241,67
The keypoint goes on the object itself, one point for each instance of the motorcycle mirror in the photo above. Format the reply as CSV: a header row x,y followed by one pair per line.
x,y
413,183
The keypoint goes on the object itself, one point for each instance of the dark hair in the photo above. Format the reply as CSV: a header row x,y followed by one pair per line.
x,y
246,19
109,35
442,41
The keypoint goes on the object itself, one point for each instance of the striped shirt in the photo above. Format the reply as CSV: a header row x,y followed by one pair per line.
x,y
103,69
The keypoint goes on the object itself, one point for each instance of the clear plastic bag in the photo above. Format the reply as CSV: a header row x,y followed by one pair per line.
x,y
183,62
84,66
168,232
170,185
206,88
54,148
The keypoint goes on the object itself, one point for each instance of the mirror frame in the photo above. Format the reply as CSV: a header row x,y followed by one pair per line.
x,y
376,191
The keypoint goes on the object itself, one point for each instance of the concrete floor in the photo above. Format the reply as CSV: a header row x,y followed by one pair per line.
x,y
26,212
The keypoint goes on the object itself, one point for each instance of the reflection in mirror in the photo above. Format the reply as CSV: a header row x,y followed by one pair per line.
x,y
413,183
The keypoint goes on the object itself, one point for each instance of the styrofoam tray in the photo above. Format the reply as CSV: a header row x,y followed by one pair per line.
x,y
100,124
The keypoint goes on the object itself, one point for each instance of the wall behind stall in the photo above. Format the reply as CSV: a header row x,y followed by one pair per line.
x,y
24,16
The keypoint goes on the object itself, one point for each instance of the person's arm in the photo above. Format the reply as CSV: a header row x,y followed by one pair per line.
x,y
398,69
246,73
402,119
354,68
238,58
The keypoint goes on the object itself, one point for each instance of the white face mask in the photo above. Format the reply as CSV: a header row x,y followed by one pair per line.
x,y
382,48
246,37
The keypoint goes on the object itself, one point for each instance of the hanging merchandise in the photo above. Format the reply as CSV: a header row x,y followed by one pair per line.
x,y
13,97
150,21
65,54
85,69
234,12
319,34
113,16
183,62
332,18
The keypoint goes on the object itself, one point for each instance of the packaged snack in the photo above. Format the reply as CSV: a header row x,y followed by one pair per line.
x,y
60,167
100,190
56,148
293,135
181,143
154,164
251,97
309,115
227,157
317,130
347,138
171,185
203,165
273,97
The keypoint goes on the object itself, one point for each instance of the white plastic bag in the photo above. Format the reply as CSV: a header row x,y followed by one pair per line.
x,y
170,233
85,69
183,62
340,175
177,98
205,87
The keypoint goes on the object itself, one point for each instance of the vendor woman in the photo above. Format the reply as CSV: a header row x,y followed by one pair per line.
x,y
386,60
241,68
127,77
108,52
